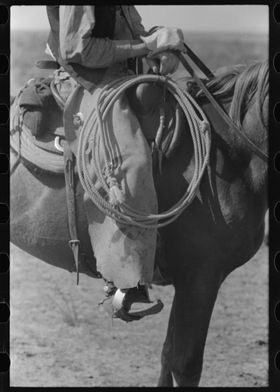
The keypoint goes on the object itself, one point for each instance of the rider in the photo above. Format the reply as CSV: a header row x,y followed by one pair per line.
x,y
95,43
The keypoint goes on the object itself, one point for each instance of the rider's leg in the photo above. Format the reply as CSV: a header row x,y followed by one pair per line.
x,y
125,253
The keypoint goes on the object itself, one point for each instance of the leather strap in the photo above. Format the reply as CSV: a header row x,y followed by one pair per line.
x,y
74,242
220,109
59,100
47,64
207,72
135,64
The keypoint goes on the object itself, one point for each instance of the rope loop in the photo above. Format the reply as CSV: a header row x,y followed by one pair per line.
x,y
95,147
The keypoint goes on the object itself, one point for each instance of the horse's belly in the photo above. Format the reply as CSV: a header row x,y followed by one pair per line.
x,y
226,230
195,240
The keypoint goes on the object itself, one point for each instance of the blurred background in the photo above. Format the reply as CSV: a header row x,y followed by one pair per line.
x,y
220,35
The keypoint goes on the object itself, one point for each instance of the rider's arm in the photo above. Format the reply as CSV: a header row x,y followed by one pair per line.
x,y
78,46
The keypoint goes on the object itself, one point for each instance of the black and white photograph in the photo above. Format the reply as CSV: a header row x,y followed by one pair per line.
x,y
139,195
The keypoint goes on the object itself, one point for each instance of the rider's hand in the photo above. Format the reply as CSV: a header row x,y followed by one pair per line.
x,y
163,62
164,38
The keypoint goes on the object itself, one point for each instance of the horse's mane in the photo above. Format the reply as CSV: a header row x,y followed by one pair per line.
x,y
242,84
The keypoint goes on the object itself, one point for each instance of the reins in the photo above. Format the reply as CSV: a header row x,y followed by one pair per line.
x,y
95,145
217,105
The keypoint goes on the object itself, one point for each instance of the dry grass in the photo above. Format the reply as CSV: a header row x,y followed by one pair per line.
x,y
66,306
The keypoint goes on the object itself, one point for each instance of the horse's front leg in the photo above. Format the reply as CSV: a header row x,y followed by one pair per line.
x,y
182,355
165,379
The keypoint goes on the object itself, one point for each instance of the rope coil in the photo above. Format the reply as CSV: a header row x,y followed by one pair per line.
x,y
95,145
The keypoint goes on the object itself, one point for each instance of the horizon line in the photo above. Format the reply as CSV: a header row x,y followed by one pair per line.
x,y
185,31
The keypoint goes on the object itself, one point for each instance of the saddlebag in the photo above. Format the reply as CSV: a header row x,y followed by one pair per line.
x,y
42,99
36,103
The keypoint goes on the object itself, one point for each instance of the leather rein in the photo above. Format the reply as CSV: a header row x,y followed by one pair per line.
x,y
217,105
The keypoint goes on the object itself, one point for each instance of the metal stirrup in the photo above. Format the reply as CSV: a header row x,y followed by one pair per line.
x,y
126,315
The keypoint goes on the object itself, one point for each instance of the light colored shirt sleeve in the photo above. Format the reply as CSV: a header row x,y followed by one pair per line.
x,y
77,44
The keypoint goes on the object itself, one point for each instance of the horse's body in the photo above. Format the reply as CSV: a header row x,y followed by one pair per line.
x,y
221,230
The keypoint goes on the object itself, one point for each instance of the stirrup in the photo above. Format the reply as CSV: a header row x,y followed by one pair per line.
x,y
121,312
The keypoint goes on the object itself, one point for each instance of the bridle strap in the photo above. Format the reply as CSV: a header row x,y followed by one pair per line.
x,y
199,63
218,106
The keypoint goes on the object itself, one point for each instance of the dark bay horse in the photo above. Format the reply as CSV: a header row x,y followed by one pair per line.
x,y
221,230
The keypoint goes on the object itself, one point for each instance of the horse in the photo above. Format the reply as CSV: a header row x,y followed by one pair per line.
x,y
221,229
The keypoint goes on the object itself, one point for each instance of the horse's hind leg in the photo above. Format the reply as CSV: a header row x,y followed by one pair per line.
x,y
182,354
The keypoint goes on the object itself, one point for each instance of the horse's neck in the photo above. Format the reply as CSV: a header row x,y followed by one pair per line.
x,y
235,149
257,133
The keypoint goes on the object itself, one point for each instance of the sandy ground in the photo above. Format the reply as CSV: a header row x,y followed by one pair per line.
x,y
59,337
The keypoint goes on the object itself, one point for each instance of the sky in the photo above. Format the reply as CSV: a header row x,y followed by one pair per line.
x,y
227,18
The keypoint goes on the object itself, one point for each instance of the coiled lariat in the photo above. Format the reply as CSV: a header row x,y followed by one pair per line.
x,y
95,147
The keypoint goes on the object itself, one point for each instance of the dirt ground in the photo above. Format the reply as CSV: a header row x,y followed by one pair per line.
x,y
59,337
